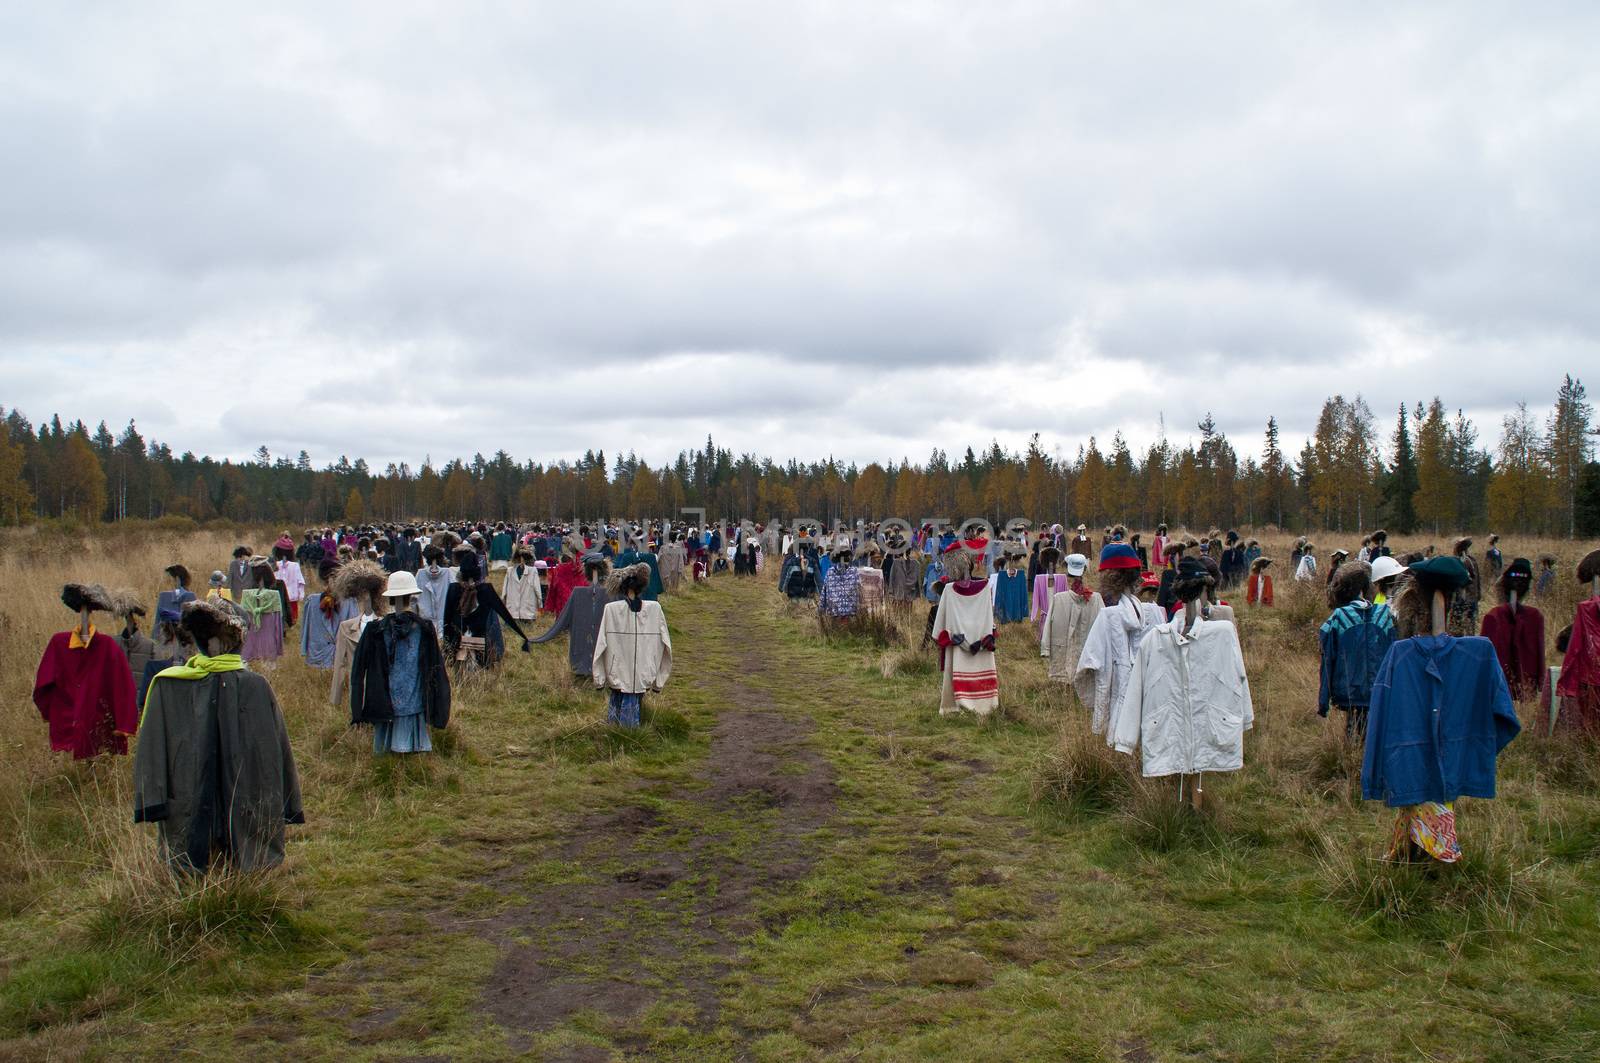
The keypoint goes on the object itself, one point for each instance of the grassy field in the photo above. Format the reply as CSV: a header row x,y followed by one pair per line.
x,y
796,858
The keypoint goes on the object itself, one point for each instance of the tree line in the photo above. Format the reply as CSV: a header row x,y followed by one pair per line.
x,y
1430,472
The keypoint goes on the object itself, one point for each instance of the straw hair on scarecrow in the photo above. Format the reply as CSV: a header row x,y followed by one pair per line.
x,y
1350,581
360,577
629,578
205,620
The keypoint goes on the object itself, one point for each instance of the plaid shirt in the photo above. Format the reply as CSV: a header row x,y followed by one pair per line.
x,y
841,591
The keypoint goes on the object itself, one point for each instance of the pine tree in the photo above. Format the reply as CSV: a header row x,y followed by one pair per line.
x,y
1437,485
16,498
1521,491
1277,482
1400,485
1567,448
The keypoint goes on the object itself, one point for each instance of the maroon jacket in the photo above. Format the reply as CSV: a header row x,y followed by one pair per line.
x,y
1519,643
86,696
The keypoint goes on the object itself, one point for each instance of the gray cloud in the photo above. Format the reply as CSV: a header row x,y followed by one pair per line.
x,y
804,230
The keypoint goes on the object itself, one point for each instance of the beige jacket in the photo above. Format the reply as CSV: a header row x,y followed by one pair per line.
x,y
633,653
344,652
523,595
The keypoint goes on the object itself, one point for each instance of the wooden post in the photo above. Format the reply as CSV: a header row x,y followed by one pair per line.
x,y
1511,600
83,625
1437,614
1594,587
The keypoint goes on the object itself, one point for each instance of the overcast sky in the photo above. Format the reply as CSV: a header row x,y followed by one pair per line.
x,y
863,230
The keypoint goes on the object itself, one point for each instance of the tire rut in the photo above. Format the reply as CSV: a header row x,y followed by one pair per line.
x,y
671,885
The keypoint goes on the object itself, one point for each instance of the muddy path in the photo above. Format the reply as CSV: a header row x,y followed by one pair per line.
x,y
664,884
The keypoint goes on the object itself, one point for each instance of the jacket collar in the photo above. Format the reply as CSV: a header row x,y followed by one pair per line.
x,y
1434,649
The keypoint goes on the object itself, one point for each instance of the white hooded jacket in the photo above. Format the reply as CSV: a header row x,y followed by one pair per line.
x,y
1188,701
1106,659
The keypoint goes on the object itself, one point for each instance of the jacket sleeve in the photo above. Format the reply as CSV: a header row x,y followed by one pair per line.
x,y
1572,670
1044,630
1506,724
358,671
124,695
151,786
1372,781
1236,655
563,623
598,664
499,606
1330,653
437,678
665,670
45,680
1122,732
293,810
341,663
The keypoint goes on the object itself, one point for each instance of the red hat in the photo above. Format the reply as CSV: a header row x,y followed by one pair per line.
x,y
1150,580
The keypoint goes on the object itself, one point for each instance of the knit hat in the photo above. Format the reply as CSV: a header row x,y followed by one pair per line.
x,y
1517,576
1118,555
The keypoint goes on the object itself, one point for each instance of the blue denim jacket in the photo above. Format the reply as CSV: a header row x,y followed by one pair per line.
x,y
1440,715
1354,641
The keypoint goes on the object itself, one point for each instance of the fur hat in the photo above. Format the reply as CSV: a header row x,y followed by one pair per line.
x,y
958,564
356,578
126,603
1463,543
205,620
1260,563
1050,555
523,554
573,546
1589,567
179,573
629,577
90,596
594,561
1350,581
446,540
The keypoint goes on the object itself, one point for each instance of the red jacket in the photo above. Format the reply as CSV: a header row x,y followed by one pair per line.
x,y
1519,643
86,696
564,579
1581,668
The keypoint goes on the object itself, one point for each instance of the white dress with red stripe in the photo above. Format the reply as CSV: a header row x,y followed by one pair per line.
x,y
964,619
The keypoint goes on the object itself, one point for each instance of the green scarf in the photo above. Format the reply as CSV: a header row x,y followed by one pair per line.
x,y
197,667
260,601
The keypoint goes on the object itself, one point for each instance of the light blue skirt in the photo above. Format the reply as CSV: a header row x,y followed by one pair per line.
x,y
404,734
